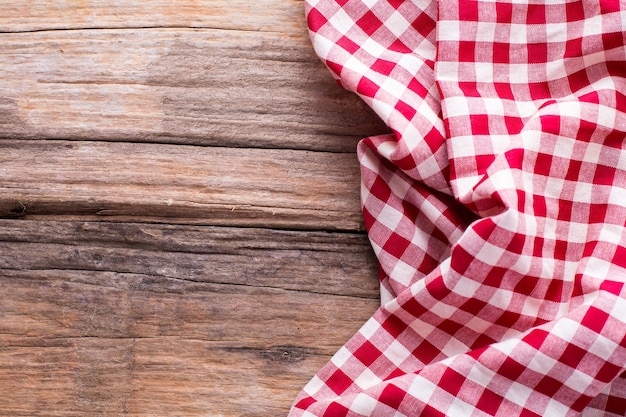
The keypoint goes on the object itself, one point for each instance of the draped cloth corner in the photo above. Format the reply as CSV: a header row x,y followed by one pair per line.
x,y
496,208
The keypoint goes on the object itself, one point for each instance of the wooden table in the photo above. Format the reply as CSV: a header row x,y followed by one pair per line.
x,y
180,228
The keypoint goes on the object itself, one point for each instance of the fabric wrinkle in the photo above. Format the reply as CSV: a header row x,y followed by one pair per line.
x,y
495,207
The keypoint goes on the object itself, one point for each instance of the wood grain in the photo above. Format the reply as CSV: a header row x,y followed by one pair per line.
x,y
204,87
242,15
184,184
180,226
120,319
315,262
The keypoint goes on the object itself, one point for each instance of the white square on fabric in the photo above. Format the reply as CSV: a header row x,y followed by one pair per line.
x,y
555,408
449,30
397,24
390,217
364,404
341,21
314,386
397,353
369,329
373,48
459,407
393,87
341,357
518,34
518,73
597,268
403,273
519,394
485,32
367,379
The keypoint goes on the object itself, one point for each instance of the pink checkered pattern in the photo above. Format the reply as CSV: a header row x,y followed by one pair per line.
x,y
496,208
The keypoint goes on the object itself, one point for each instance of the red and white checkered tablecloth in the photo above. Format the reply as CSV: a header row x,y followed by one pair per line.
x,y
496,208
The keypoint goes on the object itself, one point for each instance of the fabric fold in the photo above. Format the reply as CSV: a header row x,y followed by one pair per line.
x,y
496,208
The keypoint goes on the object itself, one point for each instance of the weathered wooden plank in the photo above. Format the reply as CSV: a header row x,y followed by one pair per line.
x,y
151,377
48,304
260,15
219,186
206,87
316,262
115,343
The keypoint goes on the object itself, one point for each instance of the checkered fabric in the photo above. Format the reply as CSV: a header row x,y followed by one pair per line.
x,y
496,208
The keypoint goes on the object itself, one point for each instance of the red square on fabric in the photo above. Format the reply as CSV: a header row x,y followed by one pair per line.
x,y
501,53
394,325
473,306
537,53
369,23
573,170
504,90
615,287
430,411
536,15
511,369
469,88
367,87
399,46
619,258
543,163
560,250
423,24
539,91
396,245
305,403
578,80
597,213
452,381
479,124
392,396
367,353
536,338
595,319
574,10
426,352
540,208
610,6
513,124
408,112
508,319
383,66
573,48
609,370
347,44
548,386
527,413
565,210
336,410
467,51
616,404
380,189
604,175
418,88
316,20
504,12
612,40
339,382
572,356
489,402
334,67
468,11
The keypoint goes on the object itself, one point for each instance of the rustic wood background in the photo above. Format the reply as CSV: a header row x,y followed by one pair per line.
x,y
180,232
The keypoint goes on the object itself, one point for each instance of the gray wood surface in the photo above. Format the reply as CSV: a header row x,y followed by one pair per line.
x,y
180,227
